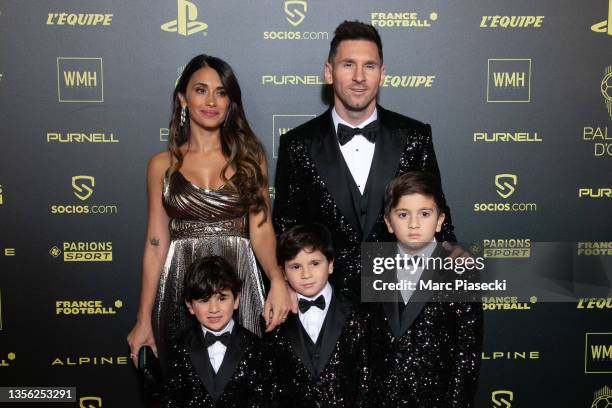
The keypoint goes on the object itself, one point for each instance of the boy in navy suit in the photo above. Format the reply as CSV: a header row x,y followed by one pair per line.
x,y
319,355
425,347
218,363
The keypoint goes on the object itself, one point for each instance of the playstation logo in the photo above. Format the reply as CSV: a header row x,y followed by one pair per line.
x,y
186,23
606,25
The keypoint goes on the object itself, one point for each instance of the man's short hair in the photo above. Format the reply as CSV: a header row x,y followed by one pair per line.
x,y
308,237
354,30
208,276
414,182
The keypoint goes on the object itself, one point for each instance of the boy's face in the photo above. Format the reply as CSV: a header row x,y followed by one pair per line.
x,y
216,312
414,221
307,273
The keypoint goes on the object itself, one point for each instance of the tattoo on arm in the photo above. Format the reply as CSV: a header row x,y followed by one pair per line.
x,y
154,241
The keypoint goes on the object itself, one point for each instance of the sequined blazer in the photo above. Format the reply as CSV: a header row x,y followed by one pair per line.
x,y
312,185
428,354
338,378
241,381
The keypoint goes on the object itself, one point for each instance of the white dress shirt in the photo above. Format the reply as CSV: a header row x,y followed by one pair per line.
x,y
414,275
216,351
313,319
359,152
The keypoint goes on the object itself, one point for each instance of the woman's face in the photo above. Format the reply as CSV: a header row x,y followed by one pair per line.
x,y
206,100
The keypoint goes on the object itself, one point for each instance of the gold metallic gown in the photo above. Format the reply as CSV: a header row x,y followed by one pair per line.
x,y
203,222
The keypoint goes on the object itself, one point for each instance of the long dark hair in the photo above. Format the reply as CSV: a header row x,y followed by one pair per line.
x,y
239,144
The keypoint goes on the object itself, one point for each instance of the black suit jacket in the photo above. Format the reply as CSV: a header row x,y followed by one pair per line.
x,y
311,186
240,381
428,354
340,378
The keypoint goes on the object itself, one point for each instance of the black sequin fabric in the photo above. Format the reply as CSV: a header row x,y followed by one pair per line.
x,y
247,387
302,196
433,364
343,382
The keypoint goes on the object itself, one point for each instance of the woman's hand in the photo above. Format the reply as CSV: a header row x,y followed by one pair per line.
x,y
141,335
281,299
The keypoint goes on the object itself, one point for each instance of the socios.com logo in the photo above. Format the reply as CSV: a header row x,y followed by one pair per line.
x,y
82,186
90,402
502,398
606,25
296,11
506,184
186,22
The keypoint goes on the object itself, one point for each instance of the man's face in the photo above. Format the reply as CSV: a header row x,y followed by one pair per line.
x,y
356,73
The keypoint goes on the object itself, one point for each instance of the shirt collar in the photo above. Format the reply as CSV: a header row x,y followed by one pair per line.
x,y
228,328
337,119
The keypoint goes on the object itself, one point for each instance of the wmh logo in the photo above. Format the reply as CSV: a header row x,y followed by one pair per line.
x,y
80,79
509,80
598,353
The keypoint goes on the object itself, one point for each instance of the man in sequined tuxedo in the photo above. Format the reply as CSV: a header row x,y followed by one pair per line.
x,y
319,355
333,169
217,363
425,345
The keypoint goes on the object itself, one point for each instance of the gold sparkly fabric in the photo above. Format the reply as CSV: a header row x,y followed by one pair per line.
x,y
203,222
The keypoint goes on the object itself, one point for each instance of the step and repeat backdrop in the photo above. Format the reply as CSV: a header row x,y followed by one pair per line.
x,y
519,96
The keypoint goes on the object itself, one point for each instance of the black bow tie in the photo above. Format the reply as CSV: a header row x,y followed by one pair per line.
x,y
210,339
346,133
304,305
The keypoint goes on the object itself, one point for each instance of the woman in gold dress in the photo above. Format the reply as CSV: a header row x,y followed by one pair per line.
x,y
207,195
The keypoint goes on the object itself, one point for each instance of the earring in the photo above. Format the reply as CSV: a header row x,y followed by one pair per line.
x,y
183,116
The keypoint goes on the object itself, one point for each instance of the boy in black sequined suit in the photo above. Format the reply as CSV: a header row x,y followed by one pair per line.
x,y
319,354
218,363
425,348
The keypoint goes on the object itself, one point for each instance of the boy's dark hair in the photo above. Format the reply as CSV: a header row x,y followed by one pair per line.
x,y
210,275
354,30
309,237
414,182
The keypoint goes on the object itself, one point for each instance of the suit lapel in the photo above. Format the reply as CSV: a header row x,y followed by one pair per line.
x,y
201,362
387,153
330,165
292,330
232,356
419,298
392,313
332,328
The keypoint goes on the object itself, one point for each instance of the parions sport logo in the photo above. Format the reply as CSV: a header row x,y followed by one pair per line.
x,y
83,187
82,251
